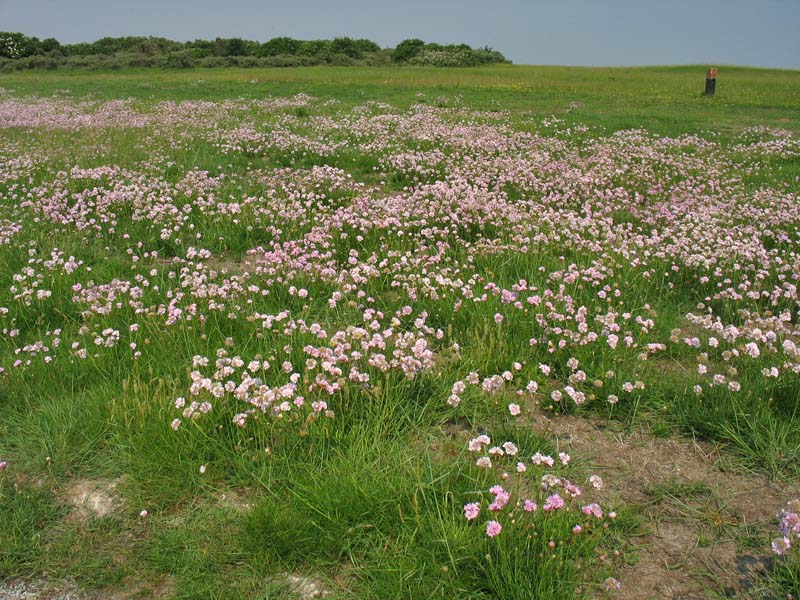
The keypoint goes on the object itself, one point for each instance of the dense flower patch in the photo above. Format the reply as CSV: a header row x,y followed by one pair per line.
x,y
281,261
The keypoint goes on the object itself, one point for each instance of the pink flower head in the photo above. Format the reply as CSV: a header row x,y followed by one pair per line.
x,y
476,444
500,501
493,529
545,369
781,545
3,465
529,506
471,510
514,409
592,509
554,502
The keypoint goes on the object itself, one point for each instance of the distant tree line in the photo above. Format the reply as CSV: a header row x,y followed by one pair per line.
x,y
19,51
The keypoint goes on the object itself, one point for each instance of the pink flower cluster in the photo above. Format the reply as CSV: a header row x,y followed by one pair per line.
x,y
788,527
522,494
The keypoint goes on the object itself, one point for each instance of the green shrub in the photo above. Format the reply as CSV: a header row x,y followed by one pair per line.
x,y
455,56
214,62
280,46
40,62
407,49
17,45
139,51
340,60
181,59
285,60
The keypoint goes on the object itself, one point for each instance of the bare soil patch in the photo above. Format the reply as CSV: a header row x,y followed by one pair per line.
x,y
93,498
708,522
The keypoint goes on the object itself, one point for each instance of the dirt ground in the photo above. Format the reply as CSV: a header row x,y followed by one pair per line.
x,y
706,524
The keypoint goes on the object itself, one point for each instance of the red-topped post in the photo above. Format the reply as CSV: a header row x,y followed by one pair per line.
x,y
711,82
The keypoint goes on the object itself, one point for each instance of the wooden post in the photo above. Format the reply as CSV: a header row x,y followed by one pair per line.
x,y
711,82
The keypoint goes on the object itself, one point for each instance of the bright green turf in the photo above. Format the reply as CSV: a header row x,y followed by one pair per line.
x,y
663,99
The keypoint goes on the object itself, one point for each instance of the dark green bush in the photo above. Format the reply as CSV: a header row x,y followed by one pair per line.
x,y
18,51
180,59
280,46
18,45
340,60
8,65
407,49
41,62
214,62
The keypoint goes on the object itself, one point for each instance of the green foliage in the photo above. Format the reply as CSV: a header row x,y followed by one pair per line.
x,y
353,48
417,52
20,52
50,44
24,513
407,49
18,45
367,500
456,57
280,46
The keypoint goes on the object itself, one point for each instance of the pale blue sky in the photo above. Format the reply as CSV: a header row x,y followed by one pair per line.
x,y
567,32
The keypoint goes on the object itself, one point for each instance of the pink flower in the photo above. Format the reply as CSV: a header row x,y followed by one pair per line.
x,y
592,509
781,545
493,529
514,409
554,502
545,369
476,444
471,510
143,514
529,506
500,501
3,465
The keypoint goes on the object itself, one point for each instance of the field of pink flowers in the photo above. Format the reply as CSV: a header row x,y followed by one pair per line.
x,y
362,322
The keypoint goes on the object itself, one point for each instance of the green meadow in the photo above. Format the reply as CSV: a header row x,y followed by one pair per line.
x,y
594,265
